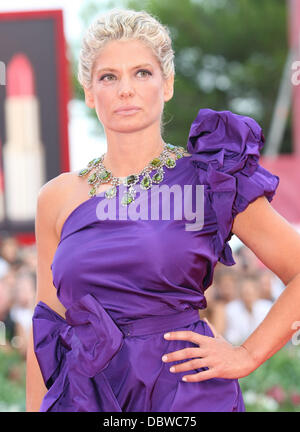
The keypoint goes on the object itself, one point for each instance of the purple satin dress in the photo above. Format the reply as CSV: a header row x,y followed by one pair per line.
x,y
125,282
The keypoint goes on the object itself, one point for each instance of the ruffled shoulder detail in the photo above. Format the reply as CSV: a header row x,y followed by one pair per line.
x,y
225,148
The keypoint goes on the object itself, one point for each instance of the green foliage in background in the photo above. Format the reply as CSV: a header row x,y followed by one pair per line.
x,y
229,54
12,382
275,385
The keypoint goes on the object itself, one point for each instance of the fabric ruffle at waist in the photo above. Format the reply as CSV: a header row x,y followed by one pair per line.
x,y
71,351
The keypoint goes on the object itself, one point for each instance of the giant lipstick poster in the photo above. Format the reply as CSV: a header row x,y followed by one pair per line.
x,y
34,94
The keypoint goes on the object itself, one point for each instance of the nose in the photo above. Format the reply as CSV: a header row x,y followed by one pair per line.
x,y
125,89
125,93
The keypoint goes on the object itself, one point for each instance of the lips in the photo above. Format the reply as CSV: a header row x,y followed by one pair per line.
x,y
127,108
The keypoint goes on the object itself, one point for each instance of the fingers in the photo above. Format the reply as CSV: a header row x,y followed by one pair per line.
x,y
182,354
197,363
188,335
201,352
200,376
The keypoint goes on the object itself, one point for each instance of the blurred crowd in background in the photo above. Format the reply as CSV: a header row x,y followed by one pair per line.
x,y
17,293
238,300
241,296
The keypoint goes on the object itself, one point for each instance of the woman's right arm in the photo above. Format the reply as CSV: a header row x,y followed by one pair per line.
x,y
49,201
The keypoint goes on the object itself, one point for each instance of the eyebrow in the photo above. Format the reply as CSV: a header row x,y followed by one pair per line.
x,y
115,70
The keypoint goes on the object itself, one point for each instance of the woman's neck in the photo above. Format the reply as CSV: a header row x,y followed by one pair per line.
x,y
125,159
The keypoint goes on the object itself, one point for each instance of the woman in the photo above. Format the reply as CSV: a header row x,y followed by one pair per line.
x,y
119,284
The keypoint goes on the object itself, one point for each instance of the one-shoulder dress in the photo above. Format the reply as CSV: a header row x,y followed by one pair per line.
x,y
125,281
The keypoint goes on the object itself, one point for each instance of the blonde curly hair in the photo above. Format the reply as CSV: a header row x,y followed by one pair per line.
x,y
125,24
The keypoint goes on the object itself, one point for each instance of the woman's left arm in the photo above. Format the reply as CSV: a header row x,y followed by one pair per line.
x,y
277,244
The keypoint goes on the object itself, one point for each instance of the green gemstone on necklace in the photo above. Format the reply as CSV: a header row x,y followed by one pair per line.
x,y
83,172
171,146
91,163
170,163
92,192
126,199
92,178
130,180
96,161
146,182
104,175
156,162
111,192
157,178
179,155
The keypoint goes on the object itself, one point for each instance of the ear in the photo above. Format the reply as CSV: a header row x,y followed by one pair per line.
x,y
89,98
169,88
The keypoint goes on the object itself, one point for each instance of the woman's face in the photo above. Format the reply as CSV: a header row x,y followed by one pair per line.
x,y
136,79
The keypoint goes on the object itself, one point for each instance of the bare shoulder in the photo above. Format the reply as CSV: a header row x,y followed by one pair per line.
x,y
59,183
60,194
53,193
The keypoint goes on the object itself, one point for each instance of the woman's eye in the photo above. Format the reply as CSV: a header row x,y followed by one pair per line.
x,y
144,70
111,75
104,76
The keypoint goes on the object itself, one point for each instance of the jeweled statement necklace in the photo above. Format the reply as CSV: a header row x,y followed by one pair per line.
x,y
102,175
